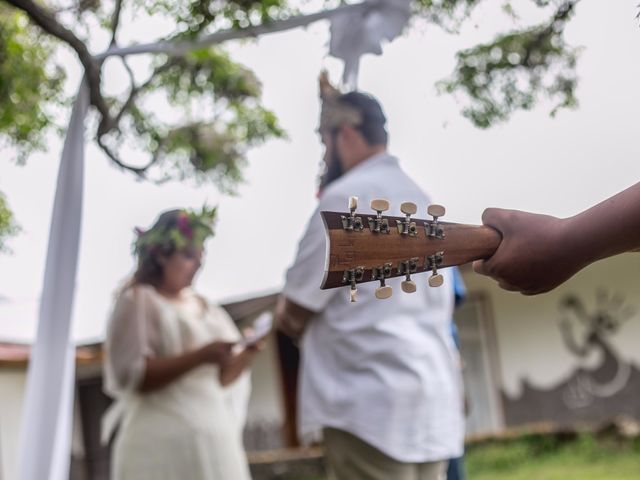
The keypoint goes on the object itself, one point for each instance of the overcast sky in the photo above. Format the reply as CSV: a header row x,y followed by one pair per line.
x,y
557,166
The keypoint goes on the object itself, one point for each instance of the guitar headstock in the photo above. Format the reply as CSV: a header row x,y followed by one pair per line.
x,y
375,247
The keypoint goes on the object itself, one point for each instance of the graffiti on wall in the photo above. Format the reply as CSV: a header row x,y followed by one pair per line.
x,y
589,394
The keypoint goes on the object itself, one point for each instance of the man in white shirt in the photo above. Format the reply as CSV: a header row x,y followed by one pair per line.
x,y
379,379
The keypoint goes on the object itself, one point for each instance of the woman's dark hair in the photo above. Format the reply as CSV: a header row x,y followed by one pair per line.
x,y
150,268
373,119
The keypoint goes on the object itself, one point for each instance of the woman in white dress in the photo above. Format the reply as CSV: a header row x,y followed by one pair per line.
x,y
179,385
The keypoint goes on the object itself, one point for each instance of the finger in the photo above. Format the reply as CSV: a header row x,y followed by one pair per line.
x,y
490,215
480,267
507,286
497,218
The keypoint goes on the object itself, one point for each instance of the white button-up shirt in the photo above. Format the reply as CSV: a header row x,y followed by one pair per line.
x,y
386,371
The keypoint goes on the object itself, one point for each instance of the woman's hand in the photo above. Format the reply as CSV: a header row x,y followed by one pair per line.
x,y
219,353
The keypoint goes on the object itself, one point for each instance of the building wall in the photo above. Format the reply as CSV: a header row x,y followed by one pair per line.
x,y
12,387
265,415
532,351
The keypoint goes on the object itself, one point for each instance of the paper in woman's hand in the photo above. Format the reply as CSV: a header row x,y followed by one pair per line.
x,y
260,329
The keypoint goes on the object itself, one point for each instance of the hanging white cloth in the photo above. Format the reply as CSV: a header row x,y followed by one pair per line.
x,y
47,419
362,31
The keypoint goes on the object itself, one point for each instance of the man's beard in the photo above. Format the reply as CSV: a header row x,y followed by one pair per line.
x,y
333,170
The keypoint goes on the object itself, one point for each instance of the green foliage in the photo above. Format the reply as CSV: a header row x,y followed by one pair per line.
x,y
8,226
221,118
191,230
448,14
194,17
217,112
516,69
567,456
30,84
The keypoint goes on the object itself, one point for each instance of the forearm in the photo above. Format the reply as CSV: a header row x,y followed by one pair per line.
x,y
291,318
159,372
609,228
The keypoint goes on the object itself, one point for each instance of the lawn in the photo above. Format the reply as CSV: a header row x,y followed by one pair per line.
x,y
569,456
573,457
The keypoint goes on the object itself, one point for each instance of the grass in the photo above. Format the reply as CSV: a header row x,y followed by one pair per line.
x,y
569,457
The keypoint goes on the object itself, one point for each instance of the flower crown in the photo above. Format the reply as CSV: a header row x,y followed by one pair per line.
x,y
191,228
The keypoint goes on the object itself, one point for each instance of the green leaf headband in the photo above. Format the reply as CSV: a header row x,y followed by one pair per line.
x,y
191,228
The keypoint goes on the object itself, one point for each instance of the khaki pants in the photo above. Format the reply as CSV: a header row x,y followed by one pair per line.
x,y
350,458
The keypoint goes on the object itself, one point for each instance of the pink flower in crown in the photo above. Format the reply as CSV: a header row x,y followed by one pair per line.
x,y
183,225
139,231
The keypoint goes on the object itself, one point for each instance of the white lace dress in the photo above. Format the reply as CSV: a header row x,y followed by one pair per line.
x,y
190,429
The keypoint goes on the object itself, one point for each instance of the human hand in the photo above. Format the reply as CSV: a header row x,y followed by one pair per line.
x,y
217,352
253,346
537,252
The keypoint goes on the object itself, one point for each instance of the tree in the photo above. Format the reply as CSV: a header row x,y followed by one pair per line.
x,y
7,225
513,71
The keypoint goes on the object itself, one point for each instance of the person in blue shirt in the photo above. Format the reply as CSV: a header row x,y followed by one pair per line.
x,y
455,471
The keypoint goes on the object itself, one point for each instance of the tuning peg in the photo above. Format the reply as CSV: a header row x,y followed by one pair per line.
x,y
407,268
380,205
432,228
432,263
351,222
381,273
409,286
407,227
408,208
354,294
379,224
383,291
436,211
352,277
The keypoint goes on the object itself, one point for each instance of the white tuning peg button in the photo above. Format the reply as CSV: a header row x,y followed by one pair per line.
x,y
436,280
380,204
383,293
409,208
436,210
353,203
409,286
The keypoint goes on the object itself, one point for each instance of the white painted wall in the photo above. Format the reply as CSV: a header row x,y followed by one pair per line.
x,y
266,404
12,387
529,340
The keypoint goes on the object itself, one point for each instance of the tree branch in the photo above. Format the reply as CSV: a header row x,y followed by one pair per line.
x,y
46,21
177,48
139,171
115,22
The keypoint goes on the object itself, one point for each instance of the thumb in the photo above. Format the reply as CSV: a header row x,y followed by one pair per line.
x,y
496,218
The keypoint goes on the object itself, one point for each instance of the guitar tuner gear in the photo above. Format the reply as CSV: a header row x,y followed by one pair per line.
x,y
351,222
351,277
432,262
381,273
407,268
432,228
406,226
379,224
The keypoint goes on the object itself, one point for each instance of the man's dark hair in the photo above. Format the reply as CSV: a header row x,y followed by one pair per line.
x,y
373,119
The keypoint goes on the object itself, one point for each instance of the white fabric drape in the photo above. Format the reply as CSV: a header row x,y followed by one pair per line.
x,y
46,428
